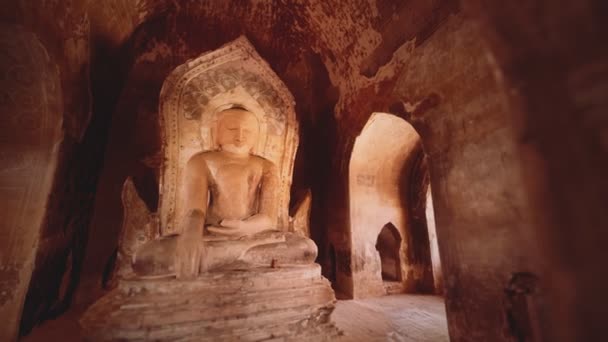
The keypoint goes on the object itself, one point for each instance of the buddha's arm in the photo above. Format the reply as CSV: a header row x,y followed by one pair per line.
x,y
266,218
268,205
190,241
196,193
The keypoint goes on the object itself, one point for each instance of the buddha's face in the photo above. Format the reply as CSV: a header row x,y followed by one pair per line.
x,y
237,131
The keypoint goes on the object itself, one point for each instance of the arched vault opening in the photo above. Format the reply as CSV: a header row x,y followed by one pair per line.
x,y
388,180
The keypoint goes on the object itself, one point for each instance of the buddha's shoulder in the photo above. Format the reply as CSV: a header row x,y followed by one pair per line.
x,y
216,157
203,157
263,162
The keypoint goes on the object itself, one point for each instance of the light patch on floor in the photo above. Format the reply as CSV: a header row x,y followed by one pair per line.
x,y
403,318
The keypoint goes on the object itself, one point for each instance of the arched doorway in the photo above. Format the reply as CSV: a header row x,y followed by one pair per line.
x,y
387,245
388,179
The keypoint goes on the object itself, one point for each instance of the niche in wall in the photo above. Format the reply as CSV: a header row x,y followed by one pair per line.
x,y
388,245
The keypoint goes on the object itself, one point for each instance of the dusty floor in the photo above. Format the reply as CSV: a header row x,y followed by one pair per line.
x,y
403,318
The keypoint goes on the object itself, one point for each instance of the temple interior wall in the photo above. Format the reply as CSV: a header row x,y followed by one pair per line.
x,y
50,154
506,100
30,134
480,211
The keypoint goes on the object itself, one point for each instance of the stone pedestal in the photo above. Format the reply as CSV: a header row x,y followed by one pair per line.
x,y
284,304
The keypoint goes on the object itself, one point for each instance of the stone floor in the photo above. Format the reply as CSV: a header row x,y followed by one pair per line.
x,y
403,318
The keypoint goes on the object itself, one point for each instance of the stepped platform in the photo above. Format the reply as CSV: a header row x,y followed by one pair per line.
x,y
261,304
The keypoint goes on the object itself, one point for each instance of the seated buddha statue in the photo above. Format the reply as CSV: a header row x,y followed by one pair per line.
x,y
231,211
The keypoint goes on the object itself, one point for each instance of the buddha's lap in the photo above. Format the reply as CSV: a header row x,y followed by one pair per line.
x,y
164,249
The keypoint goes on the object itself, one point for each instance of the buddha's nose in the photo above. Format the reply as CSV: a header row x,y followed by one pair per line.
x,y
240,136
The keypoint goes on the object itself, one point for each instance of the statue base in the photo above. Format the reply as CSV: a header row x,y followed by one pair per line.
x,y
284,303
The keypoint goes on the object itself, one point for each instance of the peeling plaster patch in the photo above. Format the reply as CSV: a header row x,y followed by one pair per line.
x,y
9,281
411,107
374,10
344,34
338,30
180,47
390,69
422,106
385,73
496,69
145,8
160,51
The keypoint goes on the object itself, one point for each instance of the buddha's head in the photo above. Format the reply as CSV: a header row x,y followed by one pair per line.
x,y
237,131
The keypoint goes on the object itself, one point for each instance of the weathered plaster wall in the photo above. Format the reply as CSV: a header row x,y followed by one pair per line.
x,y
376,56
483,221
57,242
30,131
446,88
553,60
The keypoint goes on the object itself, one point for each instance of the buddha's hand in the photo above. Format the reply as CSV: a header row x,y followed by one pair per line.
x,y
232,228
189,249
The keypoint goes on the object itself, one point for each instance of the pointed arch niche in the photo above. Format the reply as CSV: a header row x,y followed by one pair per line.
x,y
388,182
388,246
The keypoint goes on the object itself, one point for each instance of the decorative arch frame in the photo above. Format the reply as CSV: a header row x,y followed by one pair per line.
x,y
191,98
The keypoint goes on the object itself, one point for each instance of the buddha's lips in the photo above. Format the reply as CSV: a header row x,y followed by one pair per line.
x,y
240,147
